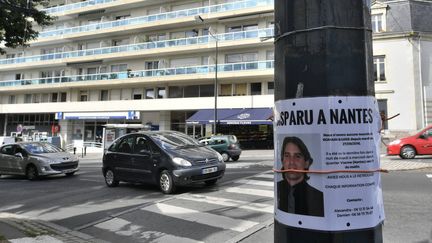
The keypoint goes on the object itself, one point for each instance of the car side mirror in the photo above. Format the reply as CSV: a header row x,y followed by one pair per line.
x,y
422,136
19,155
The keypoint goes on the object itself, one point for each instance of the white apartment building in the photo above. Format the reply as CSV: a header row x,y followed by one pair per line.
x,y
142,62
148,63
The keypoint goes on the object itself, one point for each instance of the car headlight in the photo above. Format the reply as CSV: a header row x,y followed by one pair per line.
x,y
181,161
397,141
220,158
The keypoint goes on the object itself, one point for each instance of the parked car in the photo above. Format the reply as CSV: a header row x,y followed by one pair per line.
x,y
409,147
227,145
35,159
166,158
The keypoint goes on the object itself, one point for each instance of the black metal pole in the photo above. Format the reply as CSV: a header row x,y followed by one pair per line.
x,y
216,86
323,48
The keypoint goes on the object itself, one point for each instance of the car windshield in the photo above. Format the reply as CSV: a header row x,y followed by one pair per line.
x,y
41,148
175,140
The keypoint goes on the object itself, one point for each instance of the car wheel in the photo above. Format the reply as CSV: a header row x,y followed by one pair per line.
x,y
166,182
407,152
225,157
70,173
211,182
32,172
110,179
235,158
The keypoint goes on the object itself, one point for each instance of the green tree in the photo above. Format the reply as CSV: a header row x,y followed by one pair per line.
x,y
17,18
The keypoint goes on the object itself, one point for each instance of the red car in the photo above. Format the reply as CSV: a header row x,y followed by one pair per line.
x,y
409,147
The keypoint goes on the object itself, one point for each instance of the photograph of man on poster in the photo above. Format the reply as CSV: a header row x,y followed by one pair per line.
x,y
294,194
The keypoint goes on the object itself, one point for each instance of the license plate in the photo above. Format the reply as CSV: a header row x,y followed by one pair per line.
x,y
67,171
209,170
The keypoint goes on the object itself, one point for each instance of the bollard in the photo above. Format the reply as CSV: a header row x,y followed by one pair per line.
x,y
74,150
85,150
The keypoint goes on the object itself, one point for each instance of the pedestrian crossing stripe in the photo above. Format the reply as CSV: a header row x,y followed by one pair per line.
x,y
270,176
429,176
196,216
256,182
249,191
260,207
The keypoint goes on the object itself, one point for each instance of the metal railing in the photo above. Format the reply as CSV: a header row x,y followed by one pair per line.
x,y
68,7
143,46
204,69
157,17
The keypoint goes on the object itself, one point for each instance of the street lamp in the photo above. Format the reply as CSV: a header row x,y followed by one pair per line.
x,y
201,20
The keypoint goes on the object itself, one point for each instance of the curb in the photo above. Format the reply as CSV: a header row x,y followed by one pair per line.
x,y
36,228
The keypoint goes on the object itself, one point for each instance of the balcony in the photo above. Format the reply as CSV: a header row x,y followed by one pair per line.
x,y
133,49
74,6
144,75
175,15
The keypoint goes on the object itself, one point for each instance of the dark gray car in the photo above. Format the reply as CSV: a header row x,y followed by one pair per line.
x,y
35,159
166,158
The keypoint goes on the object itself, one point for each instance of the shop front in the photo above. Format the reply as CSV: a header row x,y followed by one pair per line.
x,y
253,126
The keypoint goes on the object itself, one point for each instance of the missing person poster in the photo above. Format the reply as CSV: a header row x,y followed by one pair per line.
x,y
339,135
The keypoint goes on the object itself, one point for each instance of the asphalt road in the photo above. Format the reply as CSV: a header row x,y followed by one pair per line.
x,y
84,203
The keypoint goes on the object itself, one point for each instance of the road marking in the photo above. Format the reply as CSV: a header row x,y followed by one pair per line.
x,y
260,207
270,176
125,228
429,176
256,182
248,191
201,217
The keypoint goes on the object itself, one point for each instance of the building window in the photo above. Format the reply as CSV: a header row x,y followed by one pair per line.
x,y
240,89
377,23
54,97
12,99
137,94
45,98
36,98
270,88
379,69
243,28
151,65
243,57
63,96
255,88
225,90
382,107
83,96
207,90
191,91
118,68
122,17
175,92
161,92
27,98
104,95
149,94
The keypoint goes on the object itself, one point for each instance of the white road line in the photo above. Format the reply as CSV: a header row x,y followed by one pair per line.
x,y
260,207
429,176
256,182
248,191
270,176
125,228
201,217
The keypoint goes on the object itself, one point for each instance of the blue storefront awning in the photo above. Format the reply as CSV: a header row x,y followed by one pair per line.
x,y
249,116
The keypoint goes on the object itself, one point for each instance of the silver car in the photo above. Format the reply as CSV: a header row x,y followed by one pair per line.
x,y
35,159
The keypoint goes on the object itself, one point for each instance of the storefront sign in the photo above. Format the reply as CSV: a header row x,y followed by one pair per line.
x,y
338,139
